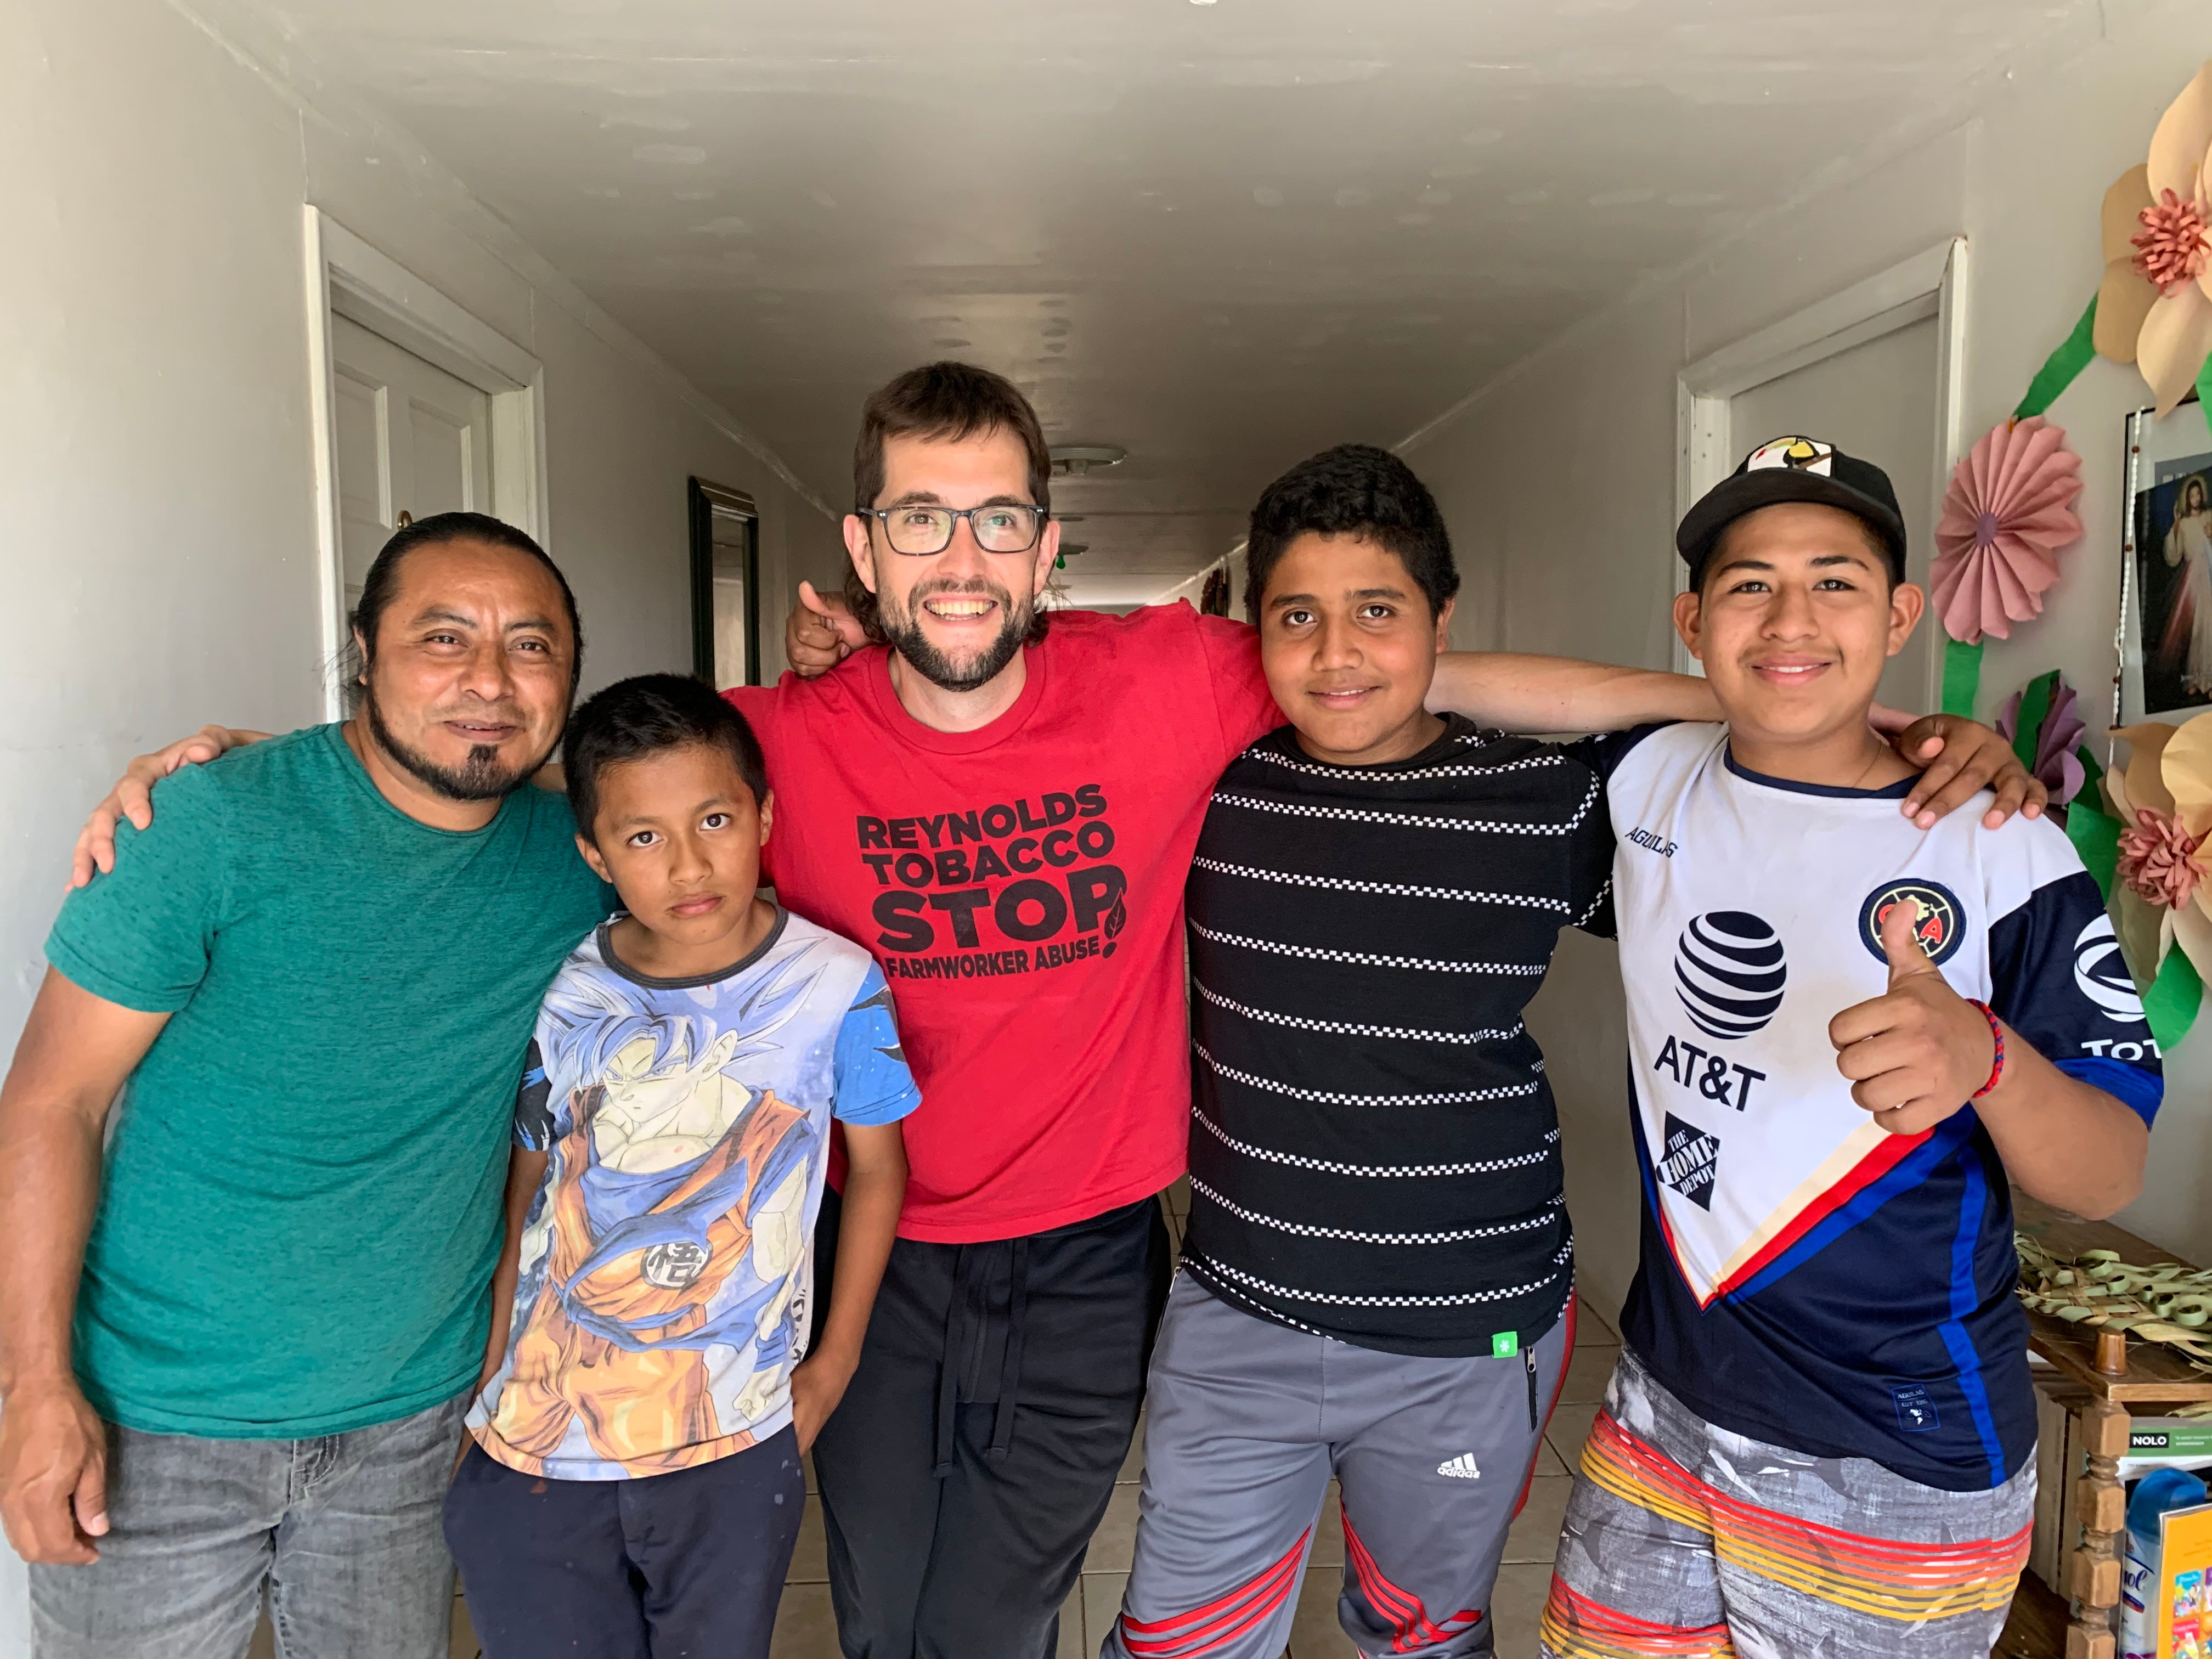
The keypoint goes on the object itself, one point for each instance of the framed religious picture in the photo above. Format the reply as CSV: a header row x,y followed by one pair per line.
x,y
2166,603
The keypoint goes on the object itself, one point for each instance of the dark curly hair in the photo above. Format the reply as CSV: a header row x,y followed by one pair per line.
x,y
1353,490
951,401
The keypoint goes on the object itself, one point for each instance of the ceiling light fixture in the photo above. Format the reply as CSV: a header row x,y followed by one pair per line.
x,y
1079,460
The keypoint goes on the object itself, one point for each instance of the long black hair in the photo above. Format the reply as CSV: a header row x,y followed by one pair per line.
x,y
382,583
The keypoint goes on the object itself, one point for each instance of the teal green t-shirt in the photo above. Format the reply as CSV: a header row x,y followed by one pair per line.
x,y
302,1208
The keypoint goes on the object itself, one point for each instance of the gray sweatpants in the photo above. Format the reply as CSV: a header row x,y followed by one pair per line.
x,y
1245,1421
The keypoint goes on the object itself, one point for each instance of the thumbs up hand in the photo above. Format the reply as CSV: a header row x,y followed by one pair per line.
x,y
820,633
1918,1052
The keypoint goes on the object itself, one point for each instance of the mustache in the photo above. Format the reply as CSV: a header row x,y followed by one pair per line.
x,y
976,587
497,713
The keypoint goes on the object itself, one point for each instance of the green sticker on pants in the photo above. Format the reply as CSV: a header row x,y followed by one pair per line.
x,y
1505,1345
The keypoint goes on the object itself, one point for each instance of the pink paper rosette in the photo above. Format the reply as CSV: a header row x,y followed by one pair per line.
x,y
2008,512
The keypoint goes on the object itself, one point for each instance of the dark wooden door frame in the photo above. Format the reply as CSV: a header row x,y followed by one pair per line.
x,y
703,497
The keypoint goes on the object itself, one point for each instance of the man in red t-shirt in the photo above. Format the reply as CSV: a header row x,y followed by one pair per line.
x,y
1003,807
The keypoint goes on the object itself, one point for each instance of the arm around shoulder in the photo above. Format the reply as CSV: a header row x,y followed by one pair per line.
x,y
132,798
141,936
1519,692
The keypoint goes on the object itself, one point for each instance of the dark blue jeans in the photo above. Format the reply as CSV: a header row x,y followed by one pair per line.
x,y
686,1564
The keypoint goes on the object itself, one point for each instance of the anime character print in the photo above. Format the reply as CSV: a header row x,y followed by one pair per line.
x,y
661,1299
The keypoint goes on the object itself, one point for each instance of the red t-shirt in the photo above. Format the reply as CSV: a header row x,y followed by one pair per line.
x,y
1022,887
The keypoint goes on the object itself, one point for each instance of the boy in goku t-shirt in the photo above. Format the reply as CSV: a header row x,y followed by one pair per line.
x,y
1848,1036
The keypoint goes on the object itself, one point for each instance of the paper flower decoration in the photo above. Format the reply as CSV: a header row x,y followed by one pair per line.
x,y
2056,766
2157,859
2009,510
2163,800
2154,308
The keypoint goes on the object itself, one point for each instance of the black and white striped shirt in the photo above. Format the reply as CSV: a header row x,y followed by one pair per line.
x,y
1374,1152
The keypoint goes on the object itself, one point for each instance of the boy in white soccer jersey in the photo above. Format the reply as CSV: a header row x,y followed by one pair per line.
x,y
1848,1036
634,1487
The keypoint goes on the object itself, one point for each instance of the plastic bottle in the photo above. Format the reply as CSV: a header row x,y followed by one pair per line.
x,y
2160,1490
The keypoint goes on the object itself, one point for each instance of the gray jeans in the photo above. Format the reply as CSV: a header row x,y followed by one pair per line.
x,y
342,1530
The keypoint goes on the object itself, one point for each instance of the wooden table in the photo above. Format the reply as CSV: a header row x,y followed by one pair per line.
x,y
2156,1379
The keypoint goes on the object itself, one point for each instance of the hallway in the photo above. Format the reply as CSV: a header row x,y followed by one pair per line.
x,y
289,275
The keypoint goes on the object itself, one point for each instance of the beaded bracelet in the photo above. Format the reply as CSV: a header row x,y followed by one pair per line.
x,y
1997,1060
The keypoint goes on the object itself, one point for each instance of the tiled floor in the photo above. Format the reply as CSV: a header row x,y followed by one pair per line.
x,y
805,1629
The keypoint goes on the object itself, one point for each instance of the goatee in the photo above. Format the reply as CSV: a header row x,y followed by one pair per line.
x,y
482,776
904,635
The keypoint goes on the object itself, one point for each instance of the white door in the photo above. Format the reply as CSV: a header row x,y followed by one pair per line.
x,y
411,439
1876,401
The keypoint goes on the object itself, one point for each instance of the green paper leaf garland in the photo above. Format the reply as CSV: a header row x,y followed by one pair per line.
x,y
2062,367
1962,676
2095,834
1962,663
2204,390
2172,1001
2035,704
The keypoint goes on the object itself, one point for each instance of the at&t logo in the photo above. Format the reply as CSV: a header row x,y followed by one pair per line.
x,y
1728,972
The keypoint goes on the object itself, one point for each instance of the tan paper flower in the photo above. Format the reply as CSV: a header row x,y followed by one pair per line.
x,y
2154,306
2165,794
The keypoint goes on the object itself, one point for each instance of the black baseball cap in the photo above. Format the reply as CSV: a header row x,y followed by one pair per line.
x,y
1793,469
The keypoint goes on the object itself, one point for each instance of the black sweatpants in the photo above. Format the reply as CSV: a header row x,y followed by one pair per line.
x,y
972,1457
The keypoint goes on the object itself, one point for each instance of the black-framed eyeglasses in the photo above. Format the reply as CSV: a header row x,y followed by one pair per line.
x,y
920,532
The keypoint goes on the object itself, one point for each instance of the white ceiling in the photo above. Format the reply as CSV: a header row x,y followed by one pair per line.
x,y
1221,235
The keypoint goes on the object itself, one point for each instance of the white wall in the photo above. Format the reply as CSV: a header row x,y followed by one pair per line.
x,y
1193,588
155,480
1558,480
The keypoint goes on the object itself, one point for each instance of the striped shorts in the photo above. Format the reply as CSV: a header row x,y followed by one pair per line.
x,y
1685,1540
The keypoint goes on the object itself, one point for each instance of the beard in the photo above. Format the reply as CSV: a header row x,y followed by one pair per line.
x,y
483,776
940,668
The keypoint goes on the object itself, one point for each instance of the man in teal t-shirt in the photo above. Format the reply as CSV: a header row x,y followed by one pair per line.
x,y
318,971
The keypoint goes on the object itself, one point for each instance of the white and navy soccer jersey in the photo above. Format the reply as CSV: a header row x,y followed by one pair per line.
x,y
1807,1279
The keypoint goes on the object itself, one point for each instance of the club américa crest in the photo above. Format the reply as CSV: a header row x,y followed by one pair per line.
x,y
1938,919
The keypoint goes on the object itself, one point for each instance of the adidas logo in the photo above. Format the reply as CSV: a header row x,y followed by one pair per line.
x,y
1460,1467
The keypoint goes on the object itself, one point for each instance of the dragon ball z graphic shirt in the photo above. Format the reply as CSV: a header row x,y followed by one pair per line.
x,y
666,1268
